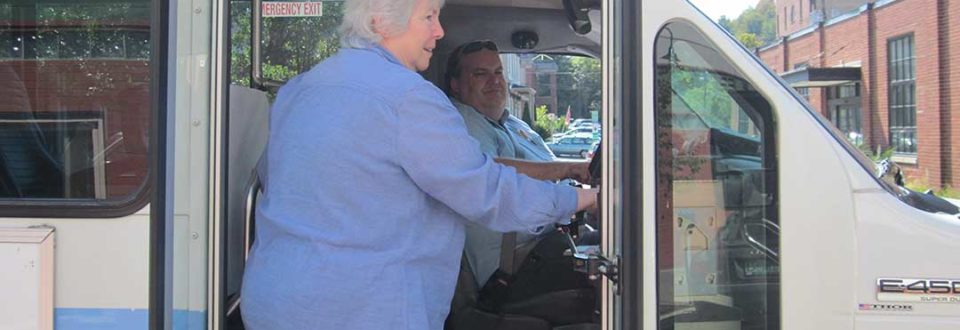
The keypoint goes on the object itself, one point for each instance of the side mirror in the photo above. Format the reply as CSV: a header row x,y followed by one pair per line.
x,y
889,171
576,11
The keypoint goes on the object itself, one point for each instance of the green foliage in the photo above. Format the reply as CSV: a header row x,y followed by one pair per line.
x,y
240,43
546,124
704,94
290,45
749,40
923,186
278,72
578,85
759,21
949,192
876,156
918,185
92,14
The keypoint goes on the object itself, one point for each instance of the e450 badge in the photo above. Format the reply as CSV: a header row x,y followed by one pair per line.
x,y
918,290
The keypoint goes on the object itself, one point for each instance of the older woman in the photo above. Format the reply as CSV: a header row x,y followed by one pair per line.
x,y
372,176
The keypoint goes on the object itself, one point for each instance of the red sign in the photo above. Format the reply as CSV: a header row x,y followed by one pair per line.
x,y
291,9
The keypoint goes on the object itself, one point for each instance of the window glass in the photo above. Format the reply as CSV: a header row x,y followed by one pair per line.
x,y
902,89
843,102
289,45
717,222
75,115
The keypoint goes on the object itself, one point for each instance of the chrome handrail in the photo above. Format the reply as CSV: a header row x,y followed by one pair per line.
x,y
256,61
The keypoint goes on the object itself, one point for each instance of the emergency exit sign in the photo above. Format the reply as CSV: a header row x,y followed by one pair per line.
x,y
291,9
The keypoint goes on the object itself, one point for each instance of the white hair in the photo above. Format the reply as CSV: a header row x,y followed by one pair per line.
x,y
357,29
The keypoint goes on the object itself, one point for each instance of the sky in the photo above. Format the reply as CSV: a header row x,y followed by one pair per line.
x,y
730,8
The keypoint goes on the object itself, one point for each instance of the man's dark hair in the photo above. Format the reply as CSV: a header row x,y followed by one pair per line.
x,y
453,62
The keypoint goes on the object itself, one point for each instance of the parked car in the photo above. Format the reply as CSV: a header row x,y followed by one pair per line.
x,y
580,144
585,124
578,121
573,131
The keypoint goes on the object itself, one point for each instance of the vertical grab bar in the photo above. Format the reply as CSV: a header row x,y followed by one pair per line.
x,y
256,73
248,214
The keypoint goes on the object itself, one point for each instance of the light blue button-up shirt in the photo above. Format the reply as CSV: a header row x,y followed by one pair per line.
x,y
494,138
497,138
371,179
528,141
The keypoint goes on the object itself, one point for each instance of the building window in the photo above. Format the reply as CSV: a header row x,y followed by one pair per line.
x,y
793,14
902,95
843,102
784,20
804,91
544,84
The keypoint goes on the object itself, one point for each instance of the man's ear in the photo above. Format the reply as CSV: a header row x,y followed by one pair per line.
x,y
455,87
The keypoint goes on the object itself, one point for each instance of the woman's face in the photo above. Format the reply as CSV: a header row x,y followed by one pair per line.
x,y
414,46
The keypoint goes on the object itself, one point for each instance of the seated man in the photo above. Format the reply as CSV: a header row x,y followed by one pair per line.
x,y
476,85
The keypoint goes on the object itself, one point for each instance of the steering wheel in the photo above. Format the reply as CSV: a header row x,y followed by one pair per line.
x,y
596,165
573,228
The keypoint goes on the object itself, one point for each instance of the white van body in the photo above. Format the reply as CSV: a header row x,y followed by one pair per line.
x,y
850,252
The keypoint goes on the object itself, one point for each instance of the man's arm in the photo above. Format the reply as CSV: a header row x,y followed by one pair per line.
x,y
553,171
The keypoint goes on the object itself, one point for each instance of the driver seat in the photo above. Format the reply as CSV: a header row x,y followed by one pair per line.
x,y
571,309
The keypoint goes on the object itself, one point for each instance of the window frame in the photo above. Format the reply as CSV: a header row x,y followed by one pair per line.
x,y
766,124
141,196
901,92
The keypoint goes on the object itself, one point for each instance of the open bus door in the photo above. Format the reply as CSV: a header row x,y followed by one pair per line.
x,y
271,42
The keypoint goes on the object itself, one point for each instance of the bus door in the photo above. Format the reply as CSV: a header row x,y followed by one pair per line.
x,y
269,43
693,176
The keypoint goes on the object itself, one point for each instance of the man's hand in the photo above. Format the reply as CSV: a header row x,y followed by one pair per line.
x,y
579,171
552,171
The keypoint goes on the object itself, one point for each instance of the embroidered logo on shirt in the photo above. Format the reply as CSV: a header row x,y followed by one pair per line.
x,y
523,134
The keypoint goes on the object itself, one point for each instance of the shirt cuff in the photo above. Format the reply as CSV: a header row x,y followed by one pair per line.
x,y
568,202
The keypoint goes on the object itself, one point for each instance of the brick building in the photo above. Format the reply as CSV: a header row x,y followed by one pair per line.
x,y
795,15
887,73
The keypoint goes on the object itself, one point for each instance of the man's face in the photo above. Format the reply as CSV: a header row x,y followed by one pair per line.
x,y
414,46
481,83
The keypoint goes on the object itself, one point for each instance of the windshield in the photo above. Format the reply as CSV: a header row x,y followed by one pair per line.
x,y
877,93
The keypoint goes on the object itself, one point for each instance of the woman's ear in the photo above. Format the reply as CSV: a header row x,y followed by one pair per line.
x,y
376,24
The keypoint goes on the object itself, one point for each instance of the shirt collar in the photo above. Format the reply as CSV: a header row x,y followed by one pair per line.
x,y
379,50
503,117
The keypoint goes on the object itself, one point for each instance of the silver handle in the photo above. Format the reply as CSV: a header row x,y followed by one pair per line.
x,y
256,74
248,213
768,226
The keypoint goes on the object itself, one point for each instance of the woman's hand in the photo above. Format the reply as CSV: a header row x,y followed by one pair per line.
x,y
587,200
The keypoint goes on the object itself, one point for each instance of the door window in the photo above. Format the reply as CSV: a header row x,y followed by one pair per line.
x,y
717,221
292,41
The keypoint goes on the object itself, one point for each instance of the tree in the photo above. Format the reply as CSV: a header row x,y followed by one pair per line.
x,y
547,123
759,21
578,85
749,40
725,23
290,45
